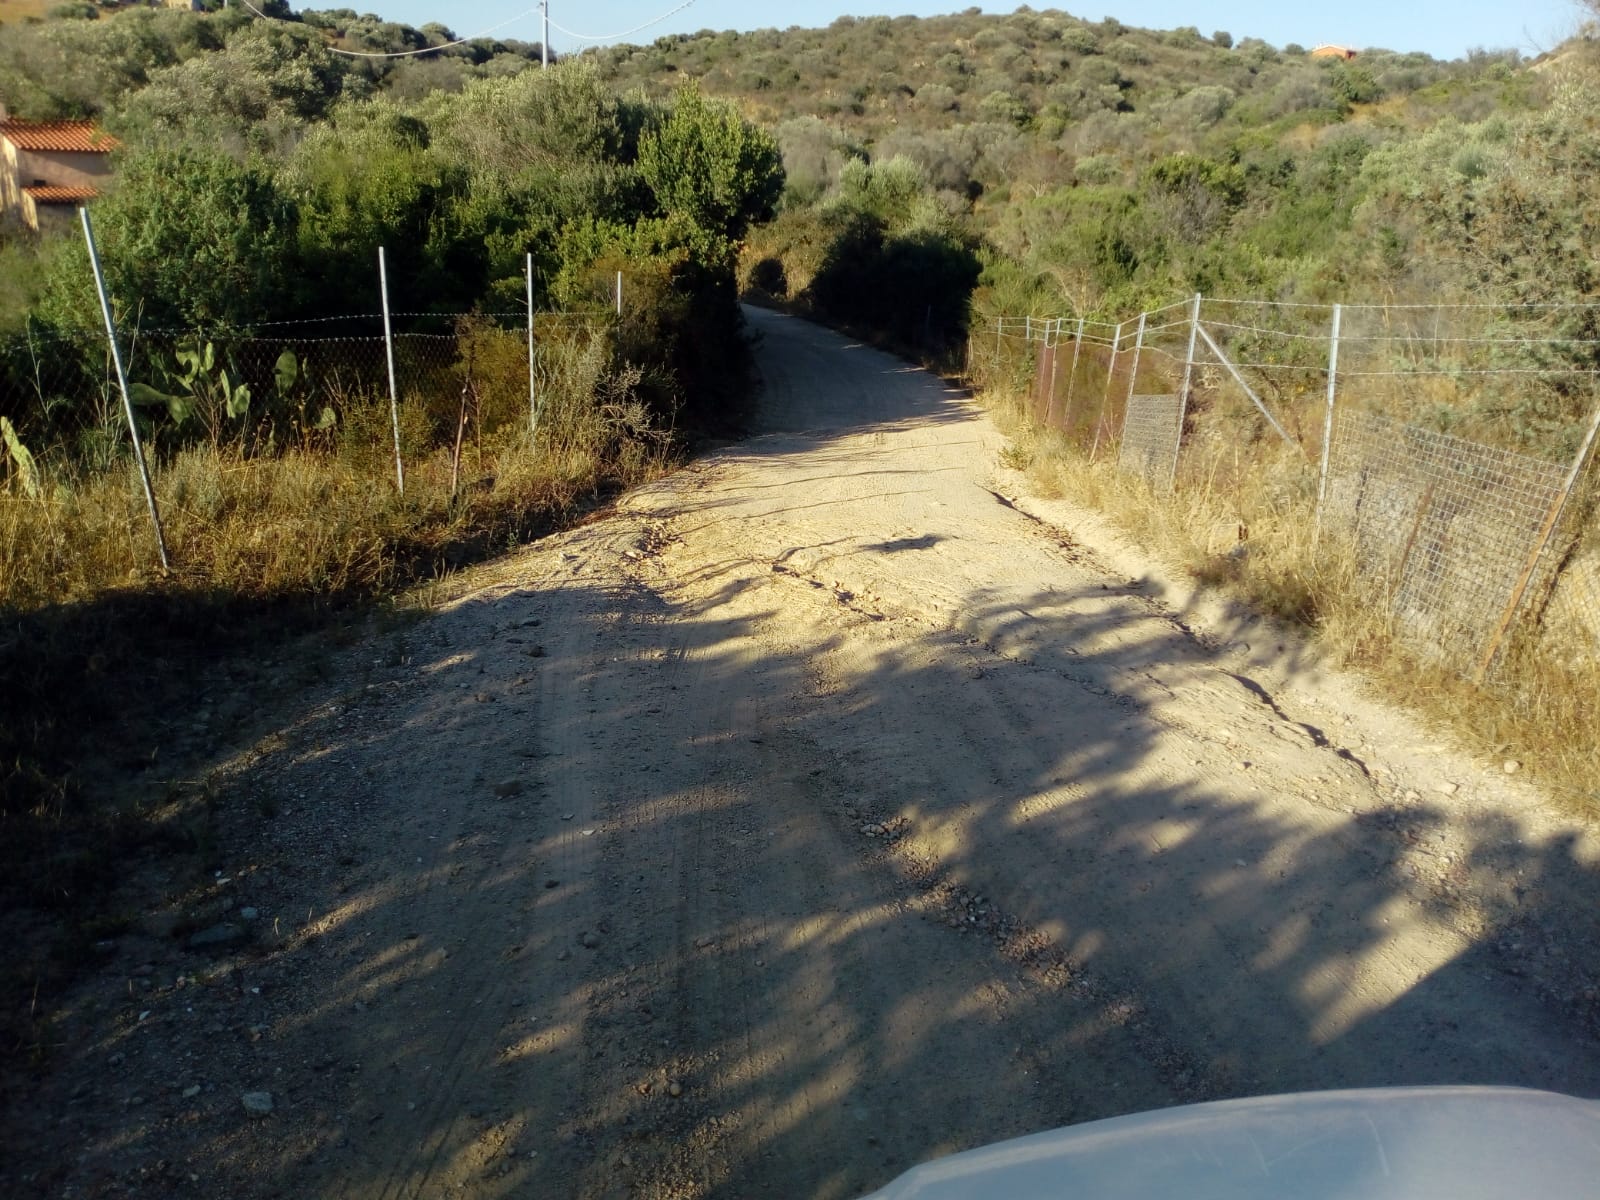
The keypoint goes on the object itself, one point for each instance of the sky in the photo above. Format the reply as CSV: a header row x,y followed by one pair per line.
x,y
1443,28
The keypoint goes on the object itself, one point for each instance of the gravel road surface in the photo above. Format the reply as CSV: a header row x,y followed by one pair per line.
x,y
825,808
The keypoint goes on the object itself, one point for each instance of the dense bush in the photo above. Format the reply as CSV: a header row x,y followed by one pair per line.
x,y
1118,163
262,174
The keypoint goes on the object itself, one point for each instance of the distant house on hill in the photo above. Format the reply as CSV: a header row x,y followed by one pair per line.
x,y
50,167
1340,52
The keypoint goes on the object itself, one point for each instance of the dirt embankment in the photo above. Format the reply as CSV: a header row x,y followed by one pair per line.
x,y
818,812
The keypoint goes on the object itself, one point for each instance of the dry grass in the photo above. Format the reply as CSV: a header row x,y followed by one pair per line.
x,y
21,10
304,522
1246,524
326,519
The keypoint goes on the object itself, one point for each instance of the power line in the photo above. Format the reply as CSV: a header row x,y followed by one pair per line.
x,y
612,37
581,37
429,49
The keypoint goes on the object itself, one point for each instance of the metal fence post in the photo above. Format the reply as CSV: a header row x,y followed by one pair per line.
x,y
1072,377
619,293
533,392
1327,423
1183,390
1055,363
394,391
1105,400
122,385
1138,353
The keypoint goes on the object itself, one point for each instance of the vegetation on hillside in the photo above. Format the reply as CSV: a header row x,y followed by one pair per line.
x,y
942,171
262,172
1103,166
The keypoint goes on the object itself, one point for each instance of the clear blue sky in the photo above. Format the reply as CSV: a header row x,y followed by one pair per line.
x,y
1444,28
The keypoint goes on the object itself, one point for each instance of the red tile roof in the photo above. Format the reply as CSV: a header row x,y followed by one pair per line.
x,y
62,136
47,194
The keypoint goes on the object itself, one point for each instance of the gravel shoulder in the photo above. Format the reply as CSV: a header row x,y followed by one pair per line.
x,y
826,807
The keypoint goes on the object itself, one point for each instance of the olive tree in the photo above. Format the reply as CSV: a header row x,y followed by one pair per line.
x,y
708,163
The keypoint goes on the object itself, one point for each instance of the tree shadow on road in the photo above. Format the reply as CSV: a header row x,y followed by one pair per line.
x,y
961,888
642,889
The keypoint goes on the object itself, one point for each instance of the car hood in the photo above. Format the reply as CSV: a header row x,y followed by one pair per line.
x,y
1424,1143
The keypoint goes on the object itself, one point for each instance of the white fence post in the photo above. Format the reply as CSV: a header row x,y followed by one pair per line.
x,y
1055,363
1105,400
1183,391
1072,376
619,293
122,384
1138,353
1327,423
533,391
394,391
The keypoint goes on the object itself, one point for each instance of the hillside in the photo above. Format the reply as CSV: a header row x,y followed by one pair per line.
x,y
309,457
1097,165
995,103
944,174
1102,166
851,653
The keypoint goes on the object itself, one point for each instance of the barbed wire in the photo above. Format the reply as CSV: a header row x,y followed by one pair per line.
x,y
1283,333
1531,305
1163,352
1432,339
1152,329
68,333
1167,307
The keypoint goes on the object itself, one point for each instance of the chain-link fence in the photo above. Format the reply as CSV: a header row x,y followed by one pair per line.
x,y
1467,514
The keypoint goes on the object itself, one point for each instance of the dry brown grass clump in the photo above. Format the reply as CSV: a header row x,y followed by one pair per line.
x,y
22,10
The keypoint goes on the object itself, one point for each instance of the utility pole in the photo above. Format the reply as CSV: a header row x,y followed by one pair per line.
x,y
544,37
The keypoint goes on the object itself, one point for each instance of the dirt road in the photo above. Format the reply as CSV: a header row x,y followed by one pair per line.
x,y
818,812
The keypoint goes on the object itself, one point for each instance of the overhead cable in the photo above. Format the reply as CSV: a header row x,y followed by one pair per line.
x,y
612,37
521,16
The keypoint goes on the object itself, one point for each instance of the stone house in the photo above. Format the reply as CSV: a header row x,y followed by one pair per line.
x,y
49,168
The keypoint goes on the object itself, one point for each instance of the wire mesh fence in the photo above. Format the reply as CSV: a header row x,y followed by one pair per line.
x,y
1573,614
1150,432
261,390
1449,526
1448,443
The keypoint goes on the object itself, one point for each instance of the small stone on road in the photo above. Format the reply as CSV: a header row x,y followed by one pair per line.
x,y
257,1104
